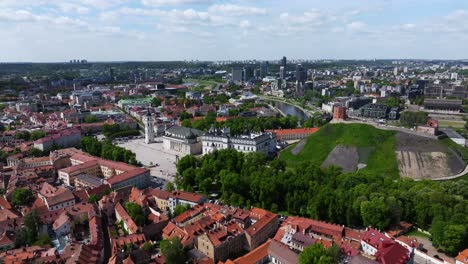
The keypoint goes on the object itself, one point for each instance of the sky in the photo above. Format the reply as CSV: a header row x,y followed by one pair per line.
x,y
161,30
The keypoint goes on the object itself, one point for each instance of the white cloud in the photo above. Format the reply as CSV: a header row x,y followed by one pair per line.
x,y
173,2
308,18
244,24
73,8
358,26
236,10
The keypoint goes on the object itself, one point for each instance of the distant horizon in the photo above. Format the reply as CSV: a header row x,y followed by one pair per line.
x,y
223,30
238,60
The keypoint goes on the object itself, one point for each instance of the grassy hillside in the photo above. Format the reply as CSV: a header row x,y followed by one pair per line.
x,y
381,160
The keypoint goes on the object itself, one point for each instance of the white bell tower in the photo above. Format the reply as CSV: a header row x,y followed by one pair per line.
x,y
149,128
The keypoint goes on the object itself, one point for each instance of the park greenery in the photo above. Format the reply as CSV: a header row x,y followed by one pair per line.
x,y
91,119
28,235
381,160
116,131
317,254
135,212
408,118
375,197
22,197
239,125
173,251
35,135
107,150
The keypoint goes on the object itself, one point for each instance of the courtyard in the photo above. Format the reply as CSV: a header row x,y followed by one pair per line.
x,y
161,162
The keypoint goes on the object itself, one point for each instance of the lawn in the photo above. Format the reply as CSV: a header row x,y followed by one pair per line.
x,y
416,233
451,123
201,82
460,150
382,158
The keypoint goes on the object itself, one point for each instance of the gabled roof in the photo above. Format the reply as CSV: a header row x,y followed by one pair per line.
x,y
463,256
391,252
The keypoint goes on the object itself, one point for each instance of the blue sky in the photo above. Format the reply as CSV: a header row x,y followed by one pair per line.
x,y
114,30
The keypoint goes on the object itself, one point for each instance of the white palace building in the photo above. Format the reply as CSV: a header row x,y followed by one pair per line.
x,y
217,139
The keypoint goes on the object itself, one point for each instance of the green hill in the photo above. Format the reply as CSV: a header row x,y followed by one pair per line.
x,y
376,147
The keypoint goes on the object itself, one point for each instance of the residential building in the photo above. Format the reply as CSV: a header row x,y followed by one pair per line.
x,y
374,111
294,133
183,140
60,198
217,139
128,223
63,139
278,253
222,242
62,226
394,113
462,257
263,229
85,181
184,198
372,241
445,105
116,174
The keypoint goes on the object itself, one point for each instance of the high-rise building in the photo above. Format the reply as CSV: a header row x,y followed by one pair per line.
x,y
236,75
247,73
149,128
301,75
264,68
395,71
284,62
282,73
111,74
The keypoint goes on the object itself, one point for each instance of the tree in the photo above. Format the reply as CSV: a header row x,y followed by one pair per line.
x,y
147,246
35,135
156,101
173,251
91,119
135,212
32,224
22,197
317,254
25,135
169,187
43,240
180,208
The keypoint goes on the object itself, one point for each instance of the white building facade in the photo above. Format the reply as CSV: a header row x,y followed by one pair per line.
x,y
250,142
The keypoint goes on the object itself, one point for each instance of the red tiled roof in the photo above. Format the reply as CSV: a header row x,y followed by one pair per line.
x,y
61,196
260,224
63,133
127,175
254,256
4,203
126,218
374,238
392,253
188,196
463,256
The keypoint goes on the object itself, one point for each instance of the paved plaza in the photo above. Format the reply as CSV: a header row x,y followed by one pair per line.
x,y
152,154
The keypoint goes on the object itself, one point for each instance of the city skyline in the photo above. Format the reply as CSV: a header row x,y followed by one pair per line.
x,y
213,30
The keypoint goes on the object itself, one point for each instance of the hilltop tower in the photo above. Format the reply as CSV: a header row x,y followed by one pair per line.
x,y
149,128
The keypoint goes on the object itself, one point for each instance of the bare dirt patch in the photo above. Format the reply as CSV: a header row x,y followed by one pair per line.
x,y
342,156
299,147
425,158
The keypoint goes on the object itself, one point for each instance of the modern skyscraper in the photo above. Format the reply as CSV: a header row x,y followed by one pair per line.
x,y
395,71
236,75
247,73
264,69
301,75
284,62
282,73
